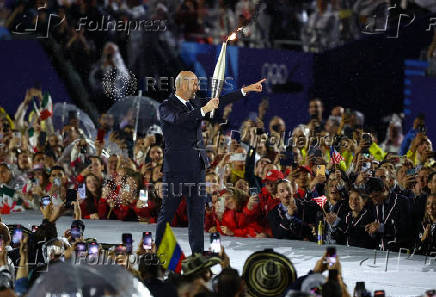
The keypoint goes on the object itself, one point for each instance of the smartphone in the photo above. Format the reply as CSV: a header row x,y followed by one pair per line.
x,y
215,243
100,134
45,200
127,241
320,170
331,255
146,240
42,138
379,293
411,172
254,191
80,247
18,136
34,228
82,191
17,235
75,232
367,138
236,135
70,197
143,195
92,248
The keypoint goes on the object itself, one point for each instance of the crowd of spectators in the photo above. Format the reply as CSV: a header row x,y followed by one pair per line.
x,y
266,180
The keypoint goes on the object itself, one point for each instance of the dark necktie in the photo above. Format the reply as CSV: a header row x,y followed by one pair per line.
x,y
189,105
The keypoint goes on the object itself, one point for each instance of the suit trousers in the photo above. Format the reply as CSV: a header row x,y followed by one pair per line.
x,y
190,185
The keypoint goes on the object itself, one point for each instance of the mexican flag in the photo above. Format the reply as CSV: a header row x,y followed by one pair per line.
x,y
7,202
33,139
46,107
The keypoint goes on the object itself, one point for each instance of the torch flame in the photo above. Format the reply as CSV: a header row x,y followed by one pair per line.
x,y
233,36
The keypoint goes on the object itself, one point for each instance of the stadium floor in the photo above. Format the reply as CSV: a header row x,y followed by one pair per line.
x,y
404,277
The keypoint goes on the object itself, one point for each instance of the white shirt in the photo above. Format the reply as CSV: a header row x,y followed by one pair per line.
x,y
202,111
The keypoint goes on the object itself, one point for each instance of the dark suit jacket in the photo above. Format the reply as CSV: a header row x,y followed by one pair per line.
x,y
183,141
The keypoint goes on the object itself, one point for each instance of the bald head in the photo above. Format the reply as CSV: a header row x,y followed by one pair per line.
x,y
186,85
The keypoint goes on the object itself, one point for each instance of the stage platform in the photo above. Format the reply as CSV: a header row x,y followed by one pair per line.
x,y
402,276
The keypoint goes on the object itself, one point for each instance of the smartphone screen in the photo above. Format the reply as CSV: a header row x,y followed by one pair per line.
x,y
127,241
80,248
215,243
146,240
75,232
411,172
254,191
143,195
17,235
92,248
331,255
45,200
320,170
82,191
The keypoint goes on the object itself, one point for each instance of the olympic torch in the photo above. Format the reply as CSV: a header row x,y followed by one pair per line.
x,y
220,69
218,75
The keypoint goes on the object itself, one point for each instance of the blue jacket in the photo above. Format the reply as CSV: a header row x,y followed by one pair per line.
x,y
183,141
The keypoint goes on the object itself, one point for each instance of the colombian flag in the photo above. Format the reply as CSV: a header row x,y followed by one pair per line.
x,y
169,251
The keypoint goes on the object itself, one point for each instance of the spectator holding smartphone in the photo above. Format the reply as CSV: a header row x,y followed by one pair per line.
x,y
91,205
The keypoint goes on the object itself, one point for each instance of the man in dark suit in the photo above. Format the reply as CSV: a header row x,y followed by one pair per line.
x,y
185,159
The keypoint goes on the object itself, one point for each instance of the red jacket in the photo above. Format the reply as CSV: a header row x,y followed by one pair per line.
x,y
211,220
260,212
181,216
239,224
150,212
100,205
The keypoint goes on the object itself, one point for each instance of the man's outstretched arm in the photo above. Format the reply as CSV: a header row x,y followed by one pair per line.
x,y
234,96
